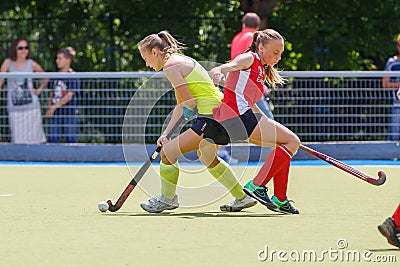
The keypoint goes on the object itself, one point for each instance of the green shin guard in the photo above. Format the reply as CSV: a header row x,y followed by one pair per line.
x,y
169,179
225,175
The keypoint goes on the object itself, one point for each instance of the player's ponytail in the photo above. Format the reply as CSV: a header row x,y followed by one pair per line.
x,y
164,41
254,43
171,44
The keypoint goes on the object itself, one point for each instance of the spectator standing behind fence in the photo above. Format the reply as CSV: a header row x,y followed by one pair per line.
x,y
24,114
62,102
393,64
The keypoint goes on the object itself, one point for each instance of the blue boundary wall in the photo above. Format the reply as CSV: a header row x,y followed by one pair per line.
x,y
140,153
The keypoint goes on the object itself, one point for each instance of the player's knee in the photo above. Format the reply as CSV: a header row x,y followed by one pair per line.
x,y
293,143
205,158
167,159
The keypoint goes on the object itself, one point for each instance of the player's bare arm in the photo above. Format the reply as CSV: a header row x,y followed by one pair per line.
x,y
241,62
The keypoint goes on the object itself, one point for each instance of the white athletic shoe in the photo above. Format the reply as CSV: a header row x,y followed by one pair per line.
x,y
239,204
159,204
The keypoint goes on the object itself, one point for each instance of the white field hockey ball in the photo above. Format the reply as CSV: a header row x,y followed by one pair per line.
x,y
103,206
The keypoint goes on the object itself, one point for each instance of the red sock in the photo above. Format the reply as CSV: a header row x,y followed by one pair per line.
x,y
281,180
396,216
278,158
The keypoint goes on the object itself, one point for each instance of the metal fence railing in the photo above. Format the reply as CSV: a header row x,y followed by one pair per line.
x,y
318,106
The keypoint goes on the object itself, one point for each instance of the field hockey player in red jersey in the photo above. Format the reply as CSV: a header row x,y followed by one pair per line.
x,y
244,86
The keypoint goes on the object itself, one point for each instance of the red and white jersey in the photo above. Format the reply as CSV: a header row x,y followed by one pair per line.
x,y
243,88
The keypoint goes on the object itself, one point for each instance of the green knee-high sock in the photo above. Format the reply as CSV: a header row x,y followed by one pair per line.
x,y
225,175
169,179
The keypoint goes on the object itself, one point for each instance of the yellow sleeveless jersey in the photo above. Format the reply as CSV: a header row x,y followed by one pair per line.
x,y
201,87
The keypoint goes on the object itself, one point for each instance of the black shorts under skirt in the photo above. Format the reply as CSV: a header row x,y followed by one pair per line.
x,y
231,130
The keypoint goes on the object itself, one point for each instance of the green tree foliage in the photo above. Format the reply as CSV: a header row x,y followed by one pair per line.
x,y
206,27
337,35
105,32
50,25
320,34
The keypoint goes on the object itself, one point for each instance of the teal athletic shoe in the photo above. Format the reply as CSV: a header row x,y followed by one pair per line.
x,y
259,193
284,206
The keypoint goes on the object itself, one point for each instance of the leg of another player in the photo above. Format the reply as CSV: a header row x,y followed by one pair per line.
x,y
390,228
263,106
277,164
224,173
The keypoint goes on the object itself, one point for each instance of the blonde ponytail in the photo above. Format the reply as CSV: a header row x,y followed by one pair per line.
x,y
164,41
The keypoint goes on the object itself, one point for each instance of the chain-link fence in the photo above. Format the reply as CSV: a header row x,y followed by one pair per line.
x,y
318,106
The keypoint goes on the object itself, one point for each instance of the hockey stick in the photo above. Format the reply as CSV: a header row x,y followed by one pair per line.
x,y
135,180
357,173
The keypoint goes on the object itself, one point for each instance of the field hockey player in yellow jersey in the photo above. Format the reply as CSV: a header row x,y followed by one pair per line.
x,y
195,93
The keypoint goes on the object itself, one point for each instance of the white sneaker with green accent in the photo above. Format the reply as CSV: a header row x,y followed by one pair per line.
x,y
159,204
239,204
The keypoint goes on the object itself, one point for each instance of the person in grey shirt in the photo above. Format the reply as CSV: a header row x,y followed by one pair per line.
x,y
23,104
